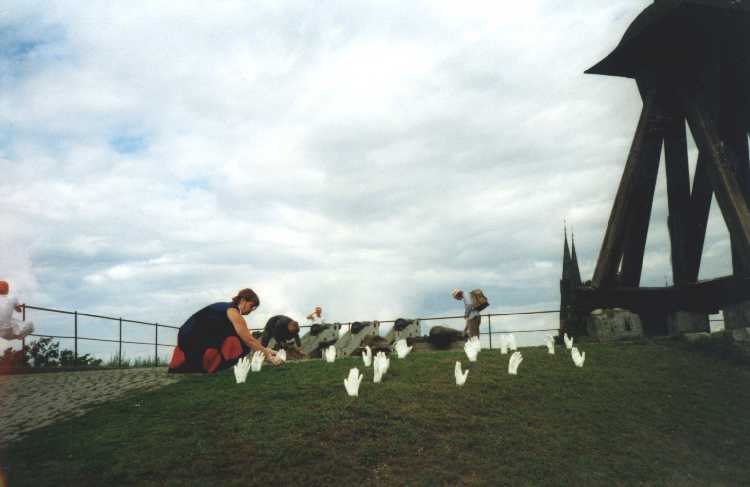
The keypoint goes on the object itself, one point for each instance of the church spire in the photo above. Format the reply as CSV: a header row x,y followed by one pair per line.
x,y
567,261
575,271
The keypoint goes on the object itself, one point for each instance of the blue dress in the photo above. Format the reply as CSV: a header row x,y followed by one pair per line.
x,y
208,342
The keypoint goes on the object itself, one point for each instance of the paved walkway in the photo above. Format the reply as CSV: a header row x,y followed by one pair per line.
x,y
30,401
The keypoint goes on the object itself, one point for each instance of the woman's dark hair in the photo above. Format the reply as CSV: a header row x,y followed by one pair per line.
x,y
248,295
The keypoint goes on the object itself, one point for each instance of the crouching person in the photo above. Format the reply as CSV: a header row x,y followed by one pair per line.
x,y
12,328
216,337
285,333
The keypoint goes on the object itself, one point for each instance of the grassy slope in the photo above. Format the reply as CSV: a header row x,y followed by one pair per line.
x,y
656,412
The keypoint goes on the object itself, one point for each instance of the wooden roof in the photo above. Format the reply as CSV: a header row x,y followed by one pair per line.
x,y
673,34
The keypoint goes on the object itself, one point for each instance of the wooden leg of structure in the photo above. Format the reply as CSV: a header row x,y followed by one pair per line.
x,y
700,205
640,212
729,194
622,210
678,194
733,133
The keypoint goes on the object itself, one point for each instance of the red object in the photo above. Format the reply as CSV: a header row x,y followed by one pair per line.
x,y
231,348
211,360
3,287
178,358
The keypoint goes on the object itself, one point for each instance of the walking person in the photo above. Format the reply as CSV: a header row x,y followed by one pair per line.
x,y
471,314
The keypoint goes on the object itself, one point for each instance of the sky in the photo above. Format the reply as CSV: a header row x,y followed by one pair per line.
x,y
367,157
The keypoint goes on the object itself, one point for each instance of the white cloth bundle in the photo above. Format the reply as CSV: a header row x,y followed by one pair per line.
x,y
256,363
281,355
503,344
472,348
241,368
460,376
578,357
402,349
515,360
380,366
352,382
367,356
507,342
550,345
329,354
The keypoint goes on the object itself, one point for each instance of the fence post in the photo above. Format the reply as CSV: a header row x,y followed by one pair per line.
x,y
489,324
119,354
156,345
75,337
23,340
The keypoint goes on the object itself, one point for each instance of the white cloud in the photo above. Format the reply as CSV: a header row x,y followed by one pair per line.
x,y
365,157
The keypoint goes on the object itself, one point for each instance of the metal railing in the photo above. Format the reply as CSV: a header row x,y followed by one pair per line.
x,y
76,337
489,322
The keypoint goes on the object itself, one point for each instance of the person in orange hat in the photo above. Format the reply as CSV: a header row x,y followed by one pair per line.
x,y
473,319
10,327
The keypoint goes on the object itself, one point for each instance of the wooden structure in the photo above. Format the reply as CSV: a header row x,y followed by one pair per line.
x,y
691,62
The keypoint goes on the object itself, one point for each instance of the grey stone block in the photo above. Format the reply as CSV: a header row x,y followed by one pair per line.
x,y
740,334
614,324
737,315
320,336
680,322
411,330
351,340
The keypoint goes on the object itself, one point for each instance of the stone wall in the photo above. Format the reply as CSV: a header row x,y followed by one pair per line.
x,y
613,324
737,321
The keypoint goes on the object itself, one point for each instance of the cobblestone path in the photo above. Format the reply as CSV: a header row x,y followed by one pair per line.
x,y
30,401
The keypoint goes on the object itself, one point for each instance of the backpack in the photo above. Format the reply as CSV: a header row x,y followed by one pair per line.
x,y
479,299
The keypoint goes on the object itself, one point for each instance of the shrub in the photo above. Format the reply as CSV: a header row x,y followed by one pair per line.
x,y
44,352
67,358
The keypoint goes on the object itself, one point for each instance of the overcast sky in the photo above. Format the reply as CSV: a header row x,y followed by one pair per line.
x,y
363,156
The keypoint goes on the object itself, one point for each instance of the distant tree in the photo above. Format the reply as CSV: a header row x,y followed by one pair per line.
x,y
67,358
44,353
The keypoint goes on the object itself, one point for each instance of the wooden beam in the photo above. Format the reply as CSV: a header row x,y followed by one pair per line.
x,y
724,181
731,124
708,75
612,246
640,215
703,297
678,195
700,206
737,144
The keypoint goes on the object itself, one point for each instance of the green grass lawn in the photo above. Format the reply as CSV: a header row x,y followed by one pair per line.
x,y
660,413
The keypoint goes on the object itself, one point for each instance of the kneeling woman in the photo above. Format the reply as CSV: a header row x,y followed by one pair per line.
x,y
215,337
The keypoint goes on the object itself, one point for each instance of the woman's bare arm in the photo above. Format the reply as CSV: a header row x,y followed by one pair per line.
x,y
240,326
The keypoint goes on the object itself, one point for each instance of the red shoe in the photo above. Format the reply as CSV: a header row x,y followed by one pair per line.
x,y
231,348
211,360
178,358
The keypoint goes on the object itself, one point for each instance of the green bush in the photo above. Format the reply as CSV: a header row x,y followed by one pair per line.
x,y
68,359
44,352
